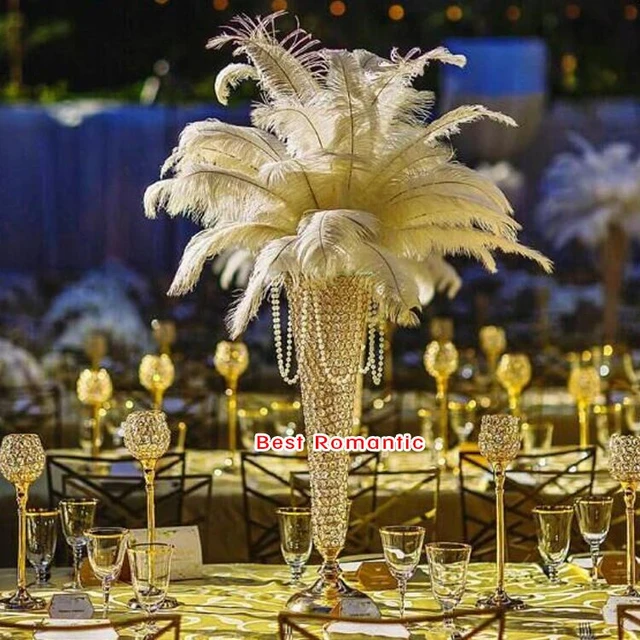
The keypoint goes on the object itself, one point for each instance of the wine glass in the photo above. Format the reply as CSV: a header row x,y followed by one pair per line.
x,y
594,520
150,575
553,526
402,546
295,539
514,374
105,549
42,537
448,564
77,515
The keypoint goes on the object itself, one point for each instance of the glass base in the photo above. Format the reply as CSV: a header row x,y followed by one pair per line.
x,y
324,597
22,600
631,592
500,600
168,603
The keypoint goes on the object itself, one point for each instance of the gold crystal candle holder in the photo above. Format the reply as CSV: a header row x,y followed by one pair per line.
x,y
231,361
493,342
165,334
147,438
499,443
441,362
22,460
94,388
584,386
441,329
156,374
514,374
624,466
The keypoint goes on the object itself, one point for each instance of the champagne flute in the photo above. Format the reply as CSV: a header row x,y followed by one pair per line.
x,y
448,564
105,549
77,516
295,539
594,520
514,374
150,575
402,546
553,526
42,537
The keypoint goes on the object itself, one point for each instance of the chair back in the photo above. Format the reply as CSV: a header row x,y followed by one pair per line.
x,y
34,410
487,623
558,477
270,481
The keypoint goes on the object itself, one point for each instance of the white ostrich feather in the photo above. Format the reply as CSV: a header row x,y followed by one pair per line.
x,y
339,175
230,77
587,191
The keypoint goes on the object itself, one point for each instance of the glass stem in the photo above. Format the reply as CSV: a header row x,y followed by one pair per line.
x,y
296,573
77,561
402,587
595,557
106,592
42,573
553,574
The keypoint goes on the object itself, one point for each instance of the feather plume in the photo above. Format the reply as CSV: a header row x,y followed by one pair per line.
x,y
338,175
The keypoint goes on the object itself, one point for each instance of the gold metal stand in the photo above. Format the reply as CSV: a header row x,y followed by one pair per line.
x,y
630,512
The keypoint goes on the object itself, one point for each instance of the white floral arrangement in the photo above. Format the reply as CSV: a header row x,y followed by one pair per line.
x,y
18,367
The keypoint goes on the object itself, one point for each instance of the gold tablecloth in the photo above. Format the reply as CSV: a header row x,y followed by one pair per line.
x,y
242,601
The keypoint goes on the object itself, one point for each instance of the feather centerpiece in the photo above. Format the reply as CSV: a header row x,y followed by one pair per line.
x,y
585,192
593,197
340,174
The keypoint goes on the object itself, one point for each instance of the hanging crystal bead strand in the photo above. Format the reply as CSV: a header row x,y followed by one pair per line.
x,y
284,362
375,326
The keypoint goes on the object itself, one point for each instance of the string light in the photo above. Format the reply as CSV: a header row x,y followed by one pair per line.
x,y
337,8
396,12
569,63
630,12
454,13
513,13
220,5
572,11
279,5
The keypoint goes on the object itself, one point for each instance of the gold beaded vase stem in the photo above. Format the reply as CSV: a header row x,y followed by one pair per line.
x,y
624,466
329,321
22,461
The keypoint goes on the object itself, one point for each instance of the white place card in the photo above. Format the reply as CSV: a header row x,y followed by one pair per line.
x,y
337,630
104,633
70,606
186,563
610,611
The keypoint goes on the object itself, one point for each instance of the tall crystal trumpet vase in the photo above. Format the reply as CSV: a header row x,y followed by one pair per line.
x,y
329,326
624,466
22,460
147,438
499,442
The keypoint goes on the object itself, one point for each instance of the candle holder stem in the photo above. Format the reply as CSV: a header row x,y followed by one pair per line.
x,y
630,502
22,600
443,413
232,412
500,598
514,403
158,399
96,431
149,471
583,421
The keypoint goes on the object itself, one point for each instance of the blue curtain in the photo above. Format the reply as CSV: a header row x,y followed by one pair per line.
x,y
71,188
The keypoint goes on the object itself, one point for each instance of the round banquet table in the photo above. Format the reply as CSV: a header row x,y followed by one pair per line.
x,y
243,600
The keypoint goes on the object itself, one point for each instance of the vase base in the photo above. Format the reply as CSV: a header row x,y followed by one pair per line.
x,y
323,598
631,592
500,600
22,600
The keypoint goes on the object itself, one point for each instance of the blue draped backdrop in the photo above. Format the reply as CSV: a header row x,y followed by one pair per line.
x,y
71,191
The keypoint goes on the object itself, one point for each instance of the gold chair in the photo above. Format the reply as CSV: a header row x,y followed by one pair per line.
x,y
292,626
168,626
